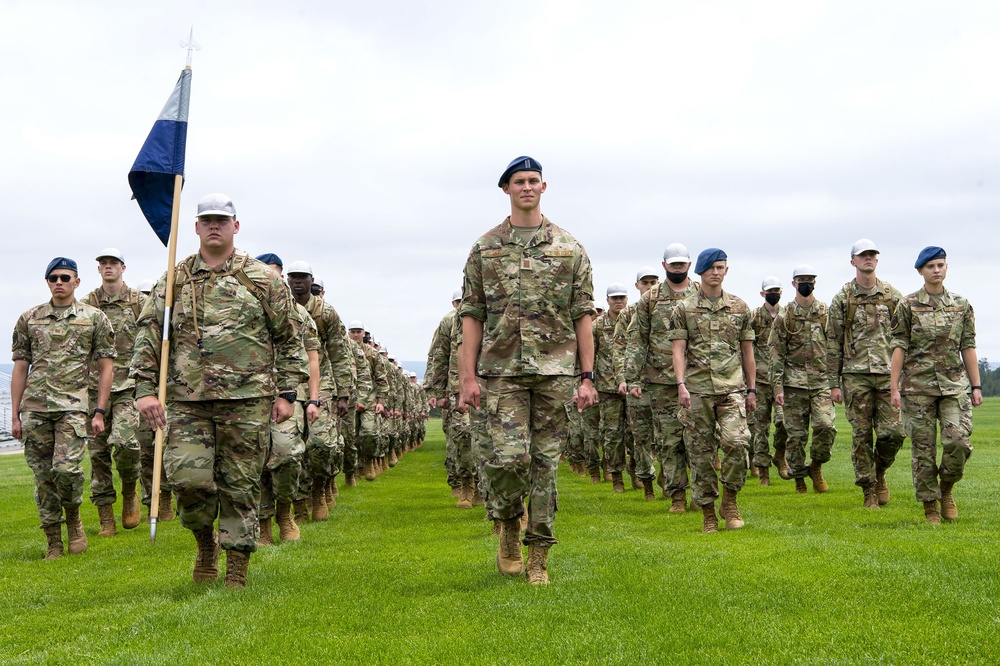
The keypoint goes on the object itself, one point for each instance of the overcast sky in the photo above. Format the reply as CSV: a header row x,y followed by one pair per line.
x,y
367,138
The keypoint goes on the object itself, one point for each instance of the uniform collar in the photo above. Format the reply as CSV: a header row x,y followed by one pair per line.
x,y
927,299
705,302
200,265
50,310
543,235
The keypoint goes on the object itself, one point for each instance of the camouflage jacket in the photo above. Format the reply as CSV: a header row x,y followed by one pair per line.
x,y
380,382
336,352
456,341
122,310
224,343
528,295
649,347
364,388
436,375
861,345
932,331
763,322
309,336
798,348
714,331
60,346
608,349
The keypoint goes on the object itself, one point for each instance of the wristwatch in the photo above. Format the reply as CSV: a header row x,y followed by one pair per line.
x,y
587,375
288,395
98,410
315,402
752,390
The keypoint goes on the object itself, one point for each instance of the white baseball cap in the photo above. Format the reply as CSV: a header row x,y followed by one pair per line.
x,y
319,281
803,270
676,252
216,204
112,252
863,245
770,282
146,286
647,271
298,267
456,295
356,325
617,289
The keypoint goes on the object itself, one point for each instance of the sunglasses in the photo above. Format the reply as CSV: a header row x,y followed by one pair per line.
x,y
60,278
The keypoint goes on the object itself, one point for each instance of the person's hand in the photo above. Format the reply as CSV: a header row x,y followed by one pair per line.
x,y
341,406
683,396
977,397
379,408
896,401
151,409
623,389
15,426
836,395
636,392
469,394
586,396
282,410
779,398
751,402
312,413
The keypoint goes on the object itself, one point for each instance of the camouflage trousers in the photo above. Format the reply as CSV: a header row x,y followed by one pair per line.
x,y
349,433
447,414
610,423
382,441
481,447
802,408
640,423
214,460
760,427
922,414
574,445
668,434
366,436
119,441
54,444
279,480
866,401
147,450
323,447
527,428
461,432
714,422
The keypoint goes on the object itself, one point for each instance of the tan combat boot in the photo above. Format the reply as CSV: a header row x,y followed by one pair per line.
x,y
765,475
131,510
931,513
617,483
392,459
237,563
730,510
206,563
754,472
782,464
524,516
604,469
711,521
871,499
948,509
456,491
718,462
881,487
816,474
370,472
648,492
301,511
75,535
595,474
352,480
678,503
477,497
537,572
332,486
497,525
53,533
800,486
320,511
509,561
266,534
288,530
166,507
328,492
465,495
106,514
661,481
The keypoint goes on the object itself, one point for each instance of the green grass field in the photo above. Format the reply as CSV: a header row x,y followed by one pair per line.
x,y
398,575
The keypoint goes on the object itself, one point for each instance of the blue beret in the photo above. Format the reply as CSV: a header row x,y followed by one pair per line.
x,y
60,262
270,258
522,163
707,258
928,253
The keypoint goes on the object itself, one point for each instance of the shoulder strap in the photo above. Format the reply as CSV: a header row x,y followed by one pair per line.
x,y
654,294
316,314
134,300
184,276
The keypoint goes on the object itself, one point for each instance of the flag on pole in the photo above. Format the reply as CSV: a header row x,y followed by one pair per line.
x,y
152,176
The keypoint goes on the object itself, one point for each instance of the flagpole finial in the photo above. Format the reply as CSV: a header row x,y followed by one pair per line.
x,y
191,44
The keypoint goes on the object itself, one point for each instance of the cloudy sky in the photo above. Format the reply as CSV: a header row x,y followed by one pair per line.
x,y
367,138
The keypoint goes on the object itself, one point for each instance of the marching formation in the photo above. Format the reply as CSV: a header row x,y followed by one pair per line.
x,y
689,379
269,398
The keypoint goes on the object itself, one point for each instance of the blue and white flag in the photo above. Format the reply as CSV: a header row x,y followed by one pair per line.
x,y
161,159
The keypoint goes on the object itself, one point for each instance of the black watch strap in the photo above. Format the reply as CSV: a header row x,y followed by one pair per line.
x,y
587,375
98,410
288,395
752,390
316,402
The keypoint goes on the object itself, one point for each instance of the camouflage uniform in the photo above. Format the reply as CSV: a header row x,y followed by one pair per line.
x,y
649,365
351,423
231,348
714,329
798,369
366,427
528,294
760,421
859,359
59,344
279,480
639,414
461,424
932,330
436,381
122,419
610,413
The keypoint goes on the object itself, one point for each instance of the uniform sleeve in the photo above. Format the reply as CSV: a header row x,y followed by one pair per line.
x,y
290,361
366,389
583,287
473,295
637,341
747,333
436,376
104,338
968,328
145,369
621,346
380,379
901,326
20,349
336,349
835,326
678,323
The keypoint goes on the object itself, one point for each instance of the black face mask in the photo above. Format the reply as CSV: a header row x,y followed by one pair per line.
x,y
772,298
677,278
806,288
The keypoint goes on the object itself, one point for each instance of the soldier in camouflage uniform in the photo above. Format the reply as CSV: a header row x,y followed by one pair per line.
x,y
526,323
713,365
121,304
436,380
933,361
279,480
760,421
859,359
609,418
371,406
55,346
800,380
649,369
365,405
232,349
324,444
